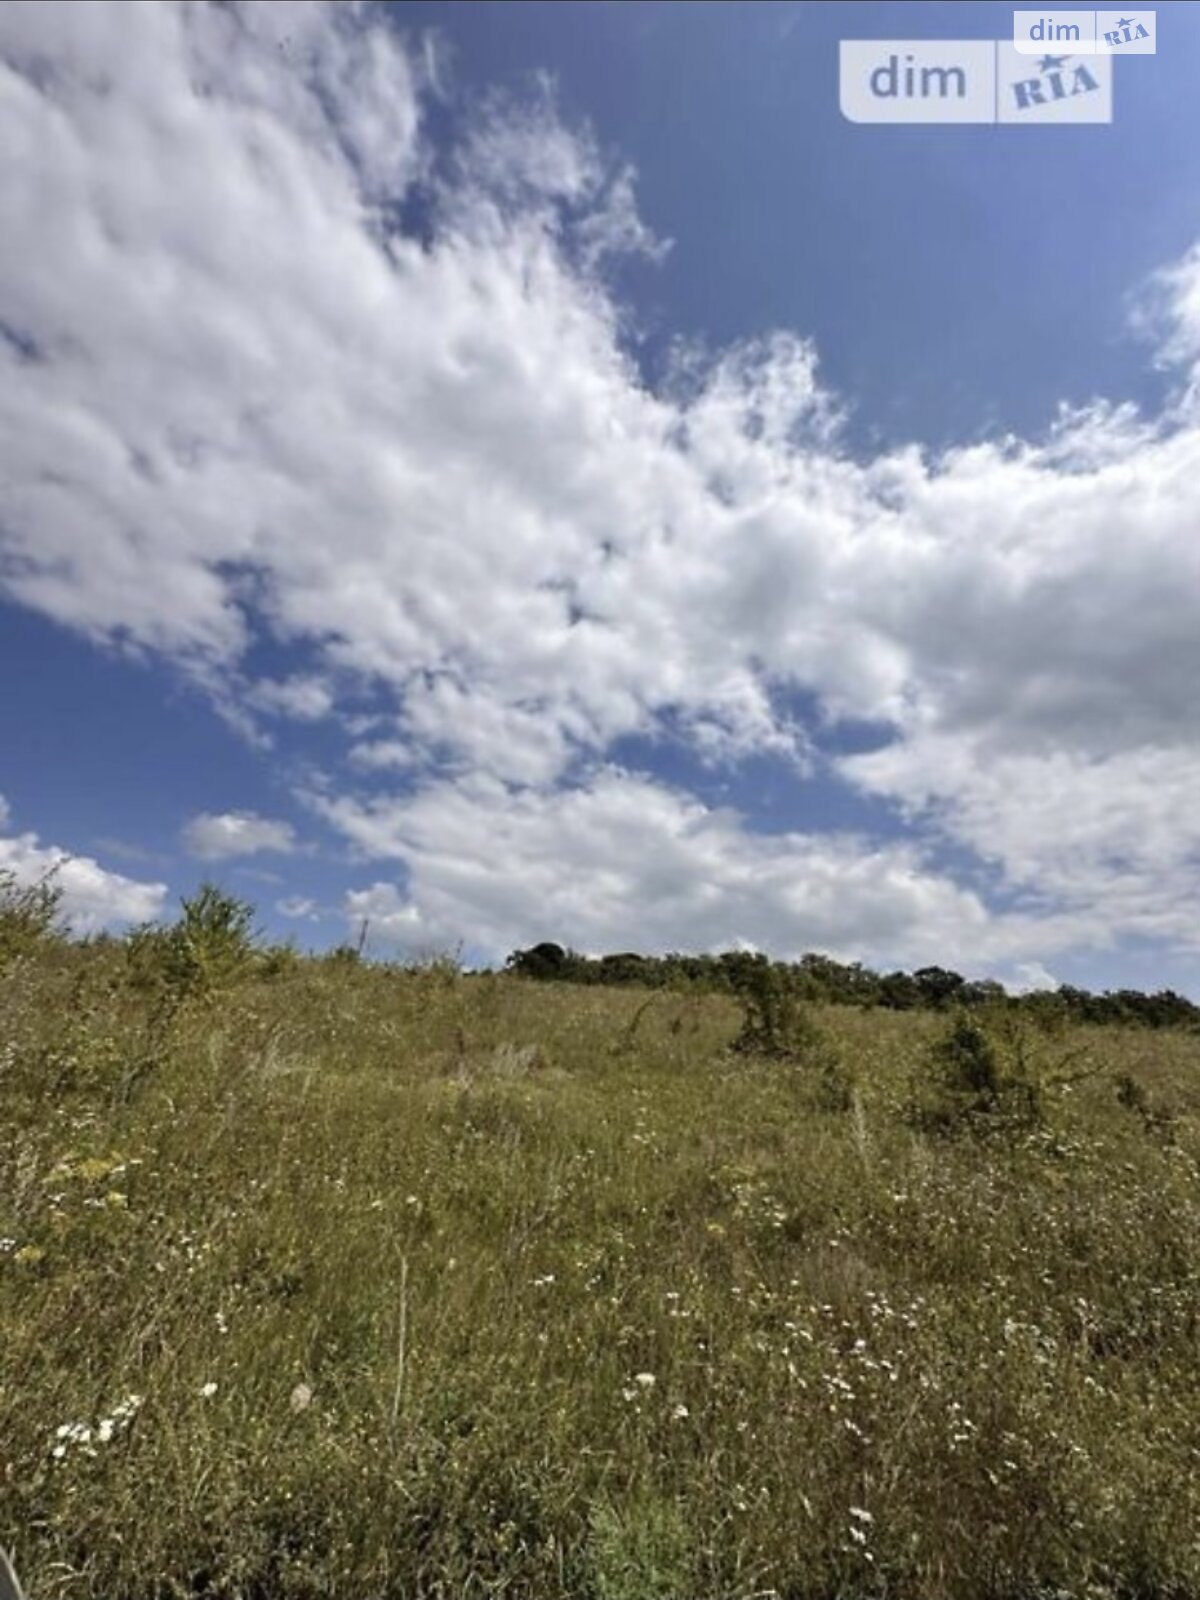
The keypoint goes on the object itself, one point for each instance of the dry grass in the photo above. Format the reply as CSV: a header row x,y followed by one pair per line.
x,y
364,1284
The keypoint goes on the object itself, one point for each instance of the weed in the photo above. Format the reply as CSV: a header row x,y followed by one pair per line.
x,y
639,1551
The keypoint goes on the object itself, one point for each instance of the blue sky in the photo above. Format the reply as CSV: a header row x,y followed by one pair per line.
x,y
537,471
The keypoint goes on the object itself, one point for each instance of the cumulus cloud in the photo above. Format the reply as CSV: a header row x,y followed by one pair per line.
x,y
622,860
93,898
219,836
248,405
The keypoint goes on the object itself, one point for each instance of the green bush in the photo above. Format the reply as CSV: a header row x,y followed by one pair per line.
x,y
774,1022
208,948
28,915
279,960
974,1082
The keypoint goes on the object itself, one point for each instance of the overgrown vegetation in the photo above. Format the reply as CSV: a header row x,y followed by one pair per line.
x,y
28,916
380,1282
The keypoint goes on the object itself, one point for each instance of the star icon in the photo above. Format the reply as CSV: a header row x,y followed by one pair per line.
x,y
1125,22
1052,63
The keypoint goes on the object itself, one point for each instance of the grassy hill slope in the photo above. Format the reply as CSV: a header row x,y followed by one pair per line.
x,y
350,1281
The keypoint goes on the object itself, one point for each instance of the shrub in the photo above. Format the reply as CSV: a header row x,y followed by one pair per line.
x,y
209,947
774,1023
28,915
279,960
835,1083
974,1083
1156,1118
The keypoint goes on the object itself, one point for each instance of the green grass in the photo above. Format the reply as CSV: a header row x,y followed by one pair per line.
x,y
434,1285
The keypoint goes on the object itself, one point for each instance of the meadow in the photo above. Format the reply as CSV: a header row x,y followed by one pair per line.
x,y
332,1278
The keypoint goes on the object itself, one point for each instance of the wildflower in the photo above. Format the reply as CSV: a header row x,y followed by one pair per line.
x,y
863,1516
207,1390
69,1434
680,1413
301,1397
645,1380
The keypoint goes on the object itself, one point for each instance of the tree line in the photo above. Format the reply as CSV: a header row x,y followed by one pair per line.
x,y
820,978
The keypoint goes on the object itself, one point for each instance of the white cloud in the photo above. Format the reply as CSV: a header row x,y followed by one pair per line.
x,y
218,836
303,699
614,227
432,470
1114,838
1169,310
377,755
296,905
395,922
1030,977
621,861
92,897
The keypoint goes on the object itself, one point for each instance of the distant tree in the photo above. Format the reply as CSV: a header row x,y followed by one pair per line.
x,y
545,960
898,992
628,967
937,987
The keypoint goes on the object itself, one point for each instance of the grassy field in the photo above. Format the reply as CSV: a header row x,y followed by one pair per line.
x,y
363,1283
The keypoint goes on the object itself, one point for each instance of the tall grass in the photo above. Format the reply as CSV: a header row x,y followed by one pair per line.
x,y
334,1279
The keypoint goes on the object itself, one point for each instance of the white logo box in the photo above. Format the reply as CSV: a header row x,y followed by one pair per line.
x,y
1117,33
970,81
